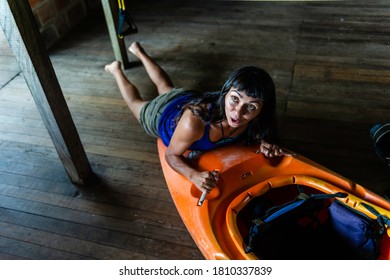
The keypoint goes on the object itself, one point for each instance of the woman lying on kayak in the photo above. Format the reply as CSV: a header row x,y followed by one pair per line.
x,y
188,121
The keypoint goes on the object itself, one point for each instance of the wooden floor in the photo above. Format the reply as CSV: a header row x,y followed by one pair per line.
x,y
330,64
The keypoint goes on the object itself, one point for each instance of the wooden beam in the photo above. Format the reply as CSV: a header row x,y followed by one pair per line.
x,y
110,8
20,29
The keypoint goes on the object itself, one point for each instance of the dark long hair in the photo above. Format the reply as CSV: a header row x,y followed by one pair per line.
x,y
256,83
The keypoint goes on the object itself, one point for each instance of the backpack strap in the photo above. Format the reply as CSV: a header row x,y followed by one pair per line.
x,y
382,220
299,202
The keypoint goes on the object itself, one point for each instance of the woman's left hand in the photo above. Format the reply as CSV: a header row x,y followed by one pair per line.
x,y
272,150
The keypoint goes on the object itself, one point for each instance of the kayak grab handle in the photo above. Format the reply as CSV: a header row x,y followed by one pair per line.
x,y
202,198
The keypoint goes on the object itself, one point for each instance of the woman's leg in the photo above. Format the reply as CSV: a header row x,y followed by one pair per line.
x,y
129,92
158,76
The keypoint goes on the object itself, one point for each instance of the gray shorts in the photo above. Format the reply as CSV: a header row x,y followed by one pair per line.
x,y
151,111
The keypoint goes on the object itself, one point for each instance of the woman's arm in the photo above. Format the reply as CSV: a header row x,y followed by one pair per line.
x,y
189,129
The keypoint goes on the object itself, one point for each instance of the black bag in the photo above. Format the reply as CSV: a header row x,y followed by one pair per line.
x,y
380,134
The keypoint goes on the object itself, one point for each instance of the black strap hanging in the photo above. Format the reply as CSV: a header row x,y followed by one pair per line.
x,y
126,25
381,219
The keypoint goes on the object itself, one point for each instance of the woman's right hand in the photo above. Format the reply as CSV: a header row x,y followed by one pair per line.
x,y
204,180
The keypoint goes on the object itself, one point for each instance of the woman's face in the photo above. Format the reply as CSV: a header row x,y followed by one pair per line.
x,y
241,109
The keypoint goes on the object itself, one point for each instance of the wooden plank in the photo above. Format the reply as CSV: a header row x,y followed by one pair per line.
x,y
353,111
95,138
341,146
124,182
20,29
341,63
27,250
161,239
129,246
110,8
83,249
5,256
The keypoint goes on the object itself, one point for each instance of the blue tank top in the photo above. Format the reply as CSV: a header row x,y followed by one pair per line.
x,y
167,126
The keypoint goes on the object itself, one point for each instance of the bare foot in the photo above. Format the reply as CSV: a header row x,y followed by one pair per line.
x,y
136,49
113,67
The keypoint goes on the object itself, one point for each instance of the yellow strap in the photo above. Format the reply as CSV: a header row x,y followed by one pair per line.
x,y
121,4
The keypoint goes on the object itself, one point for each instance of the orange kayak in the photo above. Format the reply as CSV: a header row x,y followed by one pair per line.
x,y
218,226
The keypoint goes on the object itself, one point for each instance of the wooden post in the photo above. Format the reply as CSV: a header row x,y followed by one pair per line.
x,y
20,29
110,8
